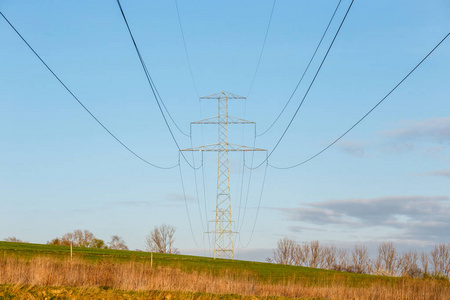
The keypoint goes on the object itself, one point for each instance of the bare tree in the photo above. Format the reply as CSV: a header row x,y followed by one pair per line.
x,y
284,253
301,254
79,238
342,260
117,243
387,260
329,257
360,259
316,258
425,261
440,258
161,240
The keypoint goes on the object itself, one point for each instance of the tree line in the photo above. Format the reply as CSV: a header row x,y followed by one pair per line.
x,y
161,240
389,261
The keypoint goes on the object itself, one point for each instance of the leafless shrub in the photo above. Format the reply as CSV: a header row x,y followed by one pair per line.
x,y
161,240
13,239
285,251
117,243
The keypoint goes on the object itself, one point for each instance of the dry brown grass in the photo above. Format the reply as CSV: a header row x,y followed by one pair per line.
x,y
46,271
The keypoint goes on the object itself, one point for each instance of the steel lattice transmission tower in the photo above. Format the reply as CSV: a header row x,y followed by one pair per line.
x,y
223,231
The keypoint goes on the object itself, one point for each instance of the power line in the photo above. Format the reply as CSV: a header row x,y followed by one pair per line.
x,y
372,109
152,86
205,192
190,134
309,88
185,202
248,185
81,103
262,49
257,210
185,50
149,78
196,185
304,72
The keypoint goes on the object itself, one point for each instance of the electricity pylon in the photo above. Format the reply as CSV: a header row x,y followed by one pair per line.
x,y
223,231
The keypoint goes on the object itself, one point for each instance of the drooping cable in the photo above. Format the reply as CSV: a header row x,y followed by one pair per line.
x,y
241,189
309,88
370,111
262,48
196,185
205,192
185,202
249,182
186,51
147,74
152,86
304,72
257,209
81,103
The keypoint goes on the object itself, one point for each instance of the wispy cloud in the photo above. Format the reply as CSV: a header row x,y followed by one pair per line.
x,y
439,173
433,129
351,147
415,217
175,197
134,203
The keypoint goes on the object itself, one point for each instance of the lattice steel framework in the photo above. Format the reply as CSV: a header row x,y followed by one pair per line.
x,y
223,231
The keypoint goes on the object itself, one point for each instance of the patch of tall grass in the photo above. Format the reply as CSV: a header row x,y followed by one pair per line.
x,y
139,276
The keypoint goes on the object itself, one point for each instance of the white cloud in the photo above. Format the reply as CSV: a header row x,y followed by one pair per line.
x,y
352,148
433,129
413,217
179,197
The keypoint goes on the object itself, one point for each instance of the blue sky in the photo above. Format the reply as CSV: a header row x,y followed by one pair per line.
x,y
386,180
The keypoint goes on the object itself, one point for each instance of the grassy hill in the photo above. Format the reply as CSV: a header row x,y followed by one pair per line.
x,y
116,270
262,271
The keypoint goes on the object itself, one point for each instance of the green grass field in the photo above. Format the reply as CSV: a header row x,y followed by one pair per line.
x,y
264,272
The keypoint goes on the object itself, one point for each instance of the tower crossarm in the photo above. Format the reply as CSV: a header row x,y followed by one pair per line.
x,y
219,147
223,95
227,120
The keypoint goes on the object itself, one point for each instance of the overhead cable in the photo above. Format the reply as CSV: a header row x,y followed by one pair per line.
x,y
196,185
370,111
152,86
185,202
185,50
262,48
257,209
309,88
248,185
81,103
150,80
304,72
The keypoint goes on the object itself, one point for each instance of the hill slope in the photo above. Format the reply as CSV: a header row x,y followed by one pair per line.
x,y
35,267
